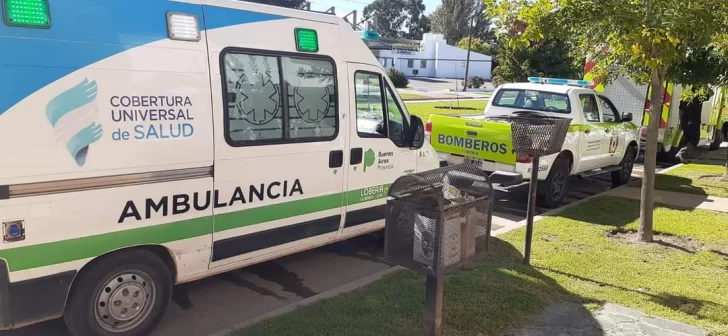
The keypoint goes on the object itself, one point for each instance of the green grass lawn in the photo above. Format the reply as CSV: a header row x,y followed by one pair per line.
x,y
424,110
573,259
412,96
690,178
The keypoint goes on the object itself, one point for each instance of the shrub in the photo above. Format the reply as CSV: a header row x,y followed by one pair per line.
x,y
398,78
475,82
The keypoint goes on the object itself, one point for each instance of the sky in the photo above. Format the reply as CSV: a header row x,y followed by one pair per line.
x,y
344,7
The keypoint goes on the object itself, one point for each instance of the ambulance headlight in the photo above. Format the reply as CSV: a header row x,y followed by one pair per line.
x,y
183,27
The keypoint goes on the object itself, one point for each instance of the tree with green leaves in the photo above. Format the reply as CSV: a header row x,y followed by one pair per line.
x,y
647,40
477,45
398,18
453,19
387,16
417,23
546,58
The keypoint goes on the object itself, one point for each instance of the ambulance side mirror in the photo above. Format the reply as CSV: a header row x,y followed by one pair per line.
x,y
417,133
627,117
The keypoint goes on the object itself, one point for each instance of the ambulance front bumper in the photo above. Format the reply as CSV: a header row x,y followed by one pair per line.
x,y
26,302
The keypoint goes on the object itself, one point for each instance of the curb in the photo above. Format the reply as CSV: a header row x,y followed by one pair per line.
x,y
356,284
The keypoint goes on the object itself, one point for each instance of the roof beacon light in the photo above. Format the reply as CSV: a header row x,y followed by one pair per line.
x,y
560,81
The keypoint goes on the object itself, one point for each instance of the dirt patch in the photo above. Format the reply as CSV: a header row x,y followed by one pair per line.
x,y
455,108
720,179
675,243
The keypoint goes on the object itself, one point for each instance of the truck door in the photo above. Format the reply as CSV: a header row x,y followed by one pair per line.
x,y
378,152
615,132
279,154
592,146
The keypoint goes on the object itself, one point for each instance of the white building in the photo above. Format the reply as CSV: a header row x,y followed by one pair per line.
x,y
433,58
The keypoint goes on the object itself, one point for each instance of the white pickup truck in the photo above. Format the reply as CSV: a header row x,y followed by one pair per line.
x,y
600,139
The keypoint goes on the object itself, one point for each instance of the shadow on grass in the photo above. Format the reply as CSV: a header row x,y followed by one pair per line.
x,y
702,309
497,295
514,299
619,212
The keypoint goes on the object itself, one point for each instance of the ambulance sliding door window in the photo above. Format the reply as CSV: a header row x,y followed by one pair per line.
x,y
258,113
311,91
253,98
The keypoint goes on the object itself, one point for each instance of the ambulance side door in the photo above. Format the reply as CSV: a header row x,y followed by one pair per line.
x,y
379,150
279,154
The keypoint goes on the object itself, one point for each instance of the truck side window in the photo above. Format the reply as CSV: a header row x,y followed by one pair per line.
x,y
590,107
609,112
370,121
279,99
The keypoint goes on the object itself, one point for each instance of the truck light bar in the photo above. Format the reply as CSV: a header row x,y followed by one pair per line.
x,y
560,81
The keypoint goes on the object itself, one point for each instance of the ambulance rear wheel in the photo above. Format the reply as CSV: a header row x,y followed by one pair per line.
x,y
551,192
123,294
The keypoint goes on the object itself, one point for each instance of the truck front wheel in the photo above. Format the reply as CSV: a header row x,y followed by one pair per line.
x,y
123,294
624,173
551,192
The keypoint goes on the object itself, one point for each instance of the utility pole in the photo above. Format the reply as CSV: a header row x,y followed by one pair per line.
x,y
470,42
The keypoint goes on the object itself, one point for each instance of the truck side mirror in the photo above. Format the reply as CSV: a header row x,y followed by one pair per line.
x,y
627,117
417,133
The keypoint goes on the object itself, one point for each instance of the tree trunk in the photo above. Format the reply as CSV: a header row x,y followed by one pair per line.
x,y
657,78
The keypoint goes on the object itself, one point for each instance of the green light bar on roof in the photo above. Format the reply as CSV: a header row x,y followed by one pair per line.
x,y
306,40
27,13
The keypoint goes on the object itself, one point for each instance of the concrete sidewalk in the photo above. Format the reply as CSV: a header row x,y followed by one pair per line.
x,y
677,199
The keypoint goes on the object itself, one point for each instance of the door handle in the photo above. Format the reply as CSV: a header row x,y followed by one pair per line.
x,y
357,155
587,131
336,159
608,130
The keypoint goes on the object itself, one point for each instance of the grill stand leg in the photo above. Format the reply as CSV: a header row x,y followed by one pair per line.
x,y
532,194
433,305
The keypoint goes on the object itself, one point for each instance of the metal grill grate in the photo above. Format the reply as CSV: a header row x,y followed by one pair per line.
x,y
439,219
538,136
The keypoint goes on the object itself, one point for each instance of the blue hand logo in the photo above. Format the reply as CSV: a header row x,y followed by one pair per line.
x,y
72,114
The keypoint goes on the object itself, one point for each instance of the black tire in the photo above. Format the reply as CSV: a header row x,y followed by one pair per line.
x,y
130,272
624,174
717,140
553,189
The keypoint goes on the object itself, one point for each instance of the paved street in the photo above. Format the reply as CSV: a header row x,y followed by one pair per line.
x,y
209,305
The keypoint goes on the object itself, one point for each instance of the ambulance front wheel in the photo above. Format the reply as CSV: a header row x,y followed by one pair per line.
x,y
122,294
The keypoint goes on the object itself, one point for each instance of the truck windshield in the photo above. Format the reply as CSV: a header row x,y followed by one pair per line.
x,y
533,100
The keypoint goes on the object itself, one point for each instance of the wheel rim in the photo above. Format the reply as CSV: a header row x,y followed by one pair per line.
x,y
557,187
125,301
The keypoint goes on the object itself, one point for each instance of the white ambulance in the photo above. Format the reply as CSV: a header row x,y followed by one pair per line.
x,y
155,142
